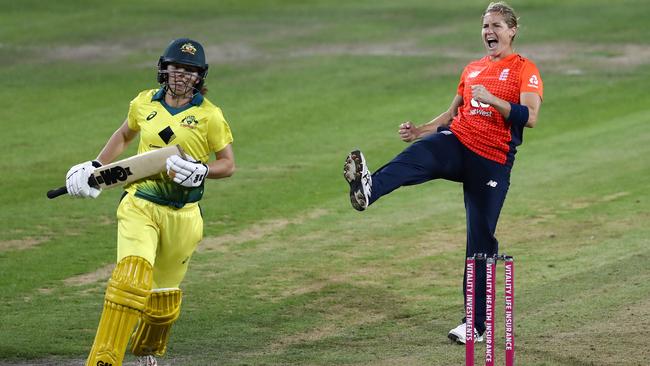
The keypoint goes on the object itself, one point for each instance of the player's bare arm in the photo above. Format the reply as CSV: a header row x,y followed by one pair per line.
x,y
409,132
534,103
224,165
118,142
77,178
530,100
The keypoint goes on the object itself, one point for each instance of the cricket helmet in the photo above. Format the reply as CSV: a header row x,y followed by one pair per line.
x,y
183,51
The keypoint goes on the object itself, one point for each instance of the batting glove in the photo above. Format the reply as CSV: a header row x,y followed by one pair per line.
x,y
188,173
76,181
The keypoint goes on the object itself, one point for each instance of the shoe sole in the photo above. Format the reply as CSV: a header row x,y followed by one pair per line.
x,y
455,338
355,183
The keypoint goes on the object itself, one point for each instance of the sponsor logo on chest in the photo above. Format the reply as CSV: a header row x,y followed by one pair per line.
x,y
479,108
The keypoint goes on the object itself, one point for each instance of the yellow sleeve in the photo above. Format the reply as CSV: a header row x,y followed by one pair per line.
x,y
132,116
219,134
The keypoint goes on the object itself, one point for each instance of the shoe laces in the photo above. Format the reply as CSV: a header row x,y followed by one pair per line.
x,y
365,180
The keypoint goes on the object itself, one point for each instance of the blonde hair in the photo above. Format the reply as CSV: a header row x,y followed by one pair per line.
x,y
506,11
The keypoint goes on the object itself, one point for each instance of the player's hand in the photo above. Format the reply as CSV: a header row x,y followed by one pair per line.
x,y
188,173
76,180
408,132
482,95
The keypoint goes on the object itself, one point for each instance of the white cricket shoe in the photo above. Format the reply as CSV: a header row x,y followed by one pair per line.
x,y
356,173
146,361
458,334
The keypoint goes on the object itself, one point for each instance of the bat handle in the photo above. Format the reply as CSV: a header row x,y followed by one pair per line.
x,y
182,152
54,193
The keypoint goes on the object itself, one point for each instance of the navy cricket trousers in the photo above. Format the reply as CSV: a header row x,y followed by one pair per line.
x,y
485,185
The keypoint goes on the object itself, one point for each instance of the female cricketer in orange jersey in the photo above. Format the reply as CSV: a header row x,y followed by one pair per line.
x,y
159,220
473,142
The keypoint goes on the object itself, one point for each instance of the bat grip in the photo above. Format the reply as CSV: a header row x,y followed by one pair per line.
x,y
54,193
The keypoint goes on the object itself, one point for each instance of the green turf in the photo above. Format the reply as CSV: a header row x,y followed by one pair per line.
x,y
289,273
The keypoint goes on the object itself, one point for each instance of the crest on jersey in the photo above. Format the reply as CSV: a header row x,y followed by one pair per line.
x,y
189,122
188,48
504,74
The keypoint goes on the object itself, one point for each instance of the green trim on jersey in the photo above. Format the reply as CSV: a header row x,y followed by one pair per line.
x,y
200,130
168,193
196,100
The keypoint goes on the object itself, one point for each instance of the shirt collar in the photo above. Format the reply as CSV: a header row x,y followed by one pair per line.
x,y
196,100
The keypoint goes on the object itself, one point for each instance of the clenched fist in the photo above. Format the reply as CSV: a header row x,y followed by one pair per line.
x,y
76,180
408,132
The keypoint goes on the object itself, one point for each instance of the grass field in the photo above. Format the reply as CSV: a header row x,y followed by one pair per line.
x,y
288,273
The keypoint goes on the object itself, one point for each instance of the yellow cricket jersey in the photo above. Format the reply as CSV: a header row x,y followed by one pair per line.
x,y
199,128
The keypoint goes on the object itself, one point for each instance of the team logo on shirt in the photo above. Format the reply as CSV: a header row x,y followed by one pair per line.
x,y
504,74
189,122
533,82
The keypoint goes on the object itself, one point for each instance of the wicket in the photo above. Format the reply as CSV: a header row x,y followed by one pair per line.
x,y
490,298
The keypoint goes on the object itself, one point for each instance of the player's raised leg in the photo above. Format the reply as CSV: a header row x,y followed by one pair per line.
x,y
161,311
124,302
438,155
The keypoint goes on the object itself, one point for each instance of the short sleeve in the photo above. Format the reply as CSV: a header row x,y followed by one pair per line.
x,y
132,116
219,134
461,83
531,81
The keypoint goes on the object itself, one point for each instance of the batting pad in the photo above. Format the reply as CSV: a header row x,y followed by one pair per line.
x,y
161,311
125,300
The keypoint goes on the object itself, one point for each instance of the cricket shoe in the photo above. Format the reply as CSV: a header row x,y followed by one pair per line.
x,y
458,334
146,361
356,173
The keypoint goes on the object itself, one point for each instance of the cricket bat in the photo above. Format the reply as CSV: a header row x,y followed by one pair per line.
x,y
127,170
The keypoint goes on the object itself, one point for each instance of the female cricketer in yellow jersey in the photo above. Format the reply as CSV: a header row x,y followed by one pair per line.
x,y
159,220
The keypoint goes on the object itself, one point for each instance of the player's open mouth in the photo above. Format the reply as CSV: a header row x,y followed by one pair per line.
x,y
491,42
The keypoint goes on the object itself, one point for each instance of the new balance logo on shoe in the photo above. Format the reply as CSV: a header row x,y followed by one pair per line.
x,y
491,183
